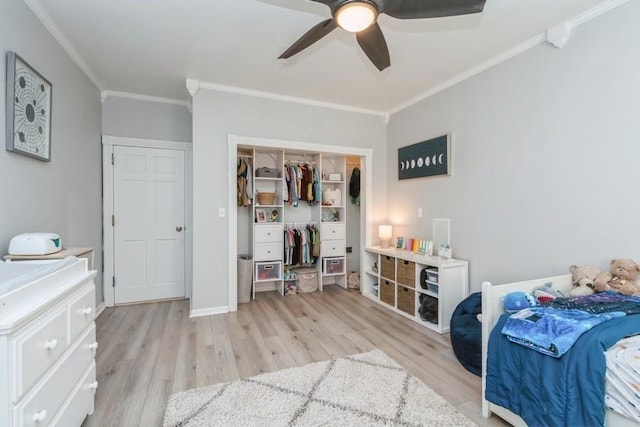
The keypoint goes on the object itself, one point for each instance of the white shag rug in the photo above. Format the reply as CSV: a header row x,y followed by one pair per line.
x,y
367,389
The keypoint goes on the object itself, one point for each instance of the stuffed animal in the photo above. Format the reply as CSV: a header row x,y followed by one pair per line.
x,y
601,283
546,293
516,301
626,274
584,277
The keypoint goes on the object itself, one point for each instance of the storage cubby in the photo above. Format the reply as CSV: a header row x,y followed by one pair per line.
x,y
424,288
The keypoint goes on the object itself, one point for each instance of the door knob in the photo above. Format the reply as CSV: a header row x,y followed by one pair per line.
x,y
178,229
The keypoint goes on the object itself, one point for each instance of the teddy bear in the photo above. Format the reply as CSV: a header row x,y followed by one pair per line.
x,y
625,277
583,277
601,283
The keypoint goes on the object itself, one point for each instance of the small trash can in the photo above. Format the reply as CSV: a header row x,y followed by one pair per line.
x,y
245,277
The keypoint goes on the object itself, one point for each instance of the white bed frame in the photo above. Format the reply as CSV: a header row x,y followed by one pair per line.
x,y
492,296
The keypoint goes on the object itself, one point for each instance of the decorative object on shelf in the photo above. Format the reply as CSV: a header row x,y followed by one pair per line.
x,y
266,198
441,232
335,177
444,250
261,216
385,232
28,110
332,197
400,243
275,217
427,158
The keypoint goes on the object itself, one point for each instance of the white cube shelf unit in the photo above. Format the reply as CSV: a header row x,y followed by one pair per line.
x,y
394,278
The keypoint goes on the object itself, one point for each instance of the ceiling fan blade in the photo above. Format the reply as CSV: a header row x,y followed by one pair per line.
x,y
416,9
309,38
374,45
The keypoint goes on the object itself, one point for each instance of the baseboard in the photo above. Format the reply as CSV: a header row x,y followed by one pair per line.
x,y
100,308
208,311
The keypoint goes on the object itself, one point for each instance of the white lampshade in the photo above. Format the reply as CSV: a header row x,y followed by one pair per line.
x,y
356,16
385,232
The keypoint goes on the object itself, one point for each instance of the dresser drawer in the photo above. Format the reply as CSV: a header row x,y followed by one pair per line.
x,y
40,406
81,403
332,231
269,234
82,311
38,348
332,248
267,251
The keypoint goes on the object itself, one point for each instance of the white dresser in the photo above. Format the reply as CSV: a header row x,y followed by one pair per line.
x,y
47,350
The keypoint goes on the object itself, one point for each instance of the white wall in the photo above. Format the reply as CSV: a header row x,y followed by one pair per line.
x,y
63,196
545,157
134,118
218,114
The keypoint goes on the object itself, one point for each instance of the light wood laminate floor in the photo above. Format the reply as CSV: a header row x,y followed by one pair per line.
x,y
148,351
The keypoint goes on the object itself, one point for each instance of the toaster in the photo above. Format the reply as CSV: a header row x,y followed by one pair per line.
x,y
35,244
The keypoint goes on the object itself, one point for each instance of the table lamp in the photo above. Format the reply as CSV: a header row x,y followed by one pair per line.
x,y
385,232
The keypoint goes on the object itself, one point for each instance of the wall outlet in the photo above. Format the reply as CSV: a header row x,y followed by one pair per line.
x,y
349,249
419,212
221,212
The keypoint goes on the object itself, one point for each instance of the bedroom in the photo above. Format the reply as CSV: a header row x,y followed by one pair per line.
x,y
536,138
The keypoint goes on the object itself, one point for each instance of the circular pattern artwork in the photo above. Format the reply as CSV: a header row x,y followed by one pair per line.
x,y
31,109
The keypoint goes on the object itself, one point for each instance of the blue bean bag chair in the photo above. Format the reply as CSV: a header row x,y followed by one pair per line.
x,y
466,333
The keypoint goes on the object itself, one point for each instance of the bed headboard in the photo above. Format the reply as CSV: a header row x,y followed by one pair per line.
x,y
492,296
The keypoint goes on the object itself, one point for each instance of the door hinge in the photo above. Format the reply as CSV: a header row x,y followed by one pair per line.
x,y
113,158
114,282
113,220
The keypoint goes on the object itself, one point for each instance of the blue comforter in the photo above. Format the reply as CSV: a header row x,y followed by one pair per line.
x,y
548,391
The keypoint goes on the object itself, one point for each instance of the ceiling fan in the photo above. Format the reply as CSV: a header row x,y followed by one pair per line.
x,y
360,16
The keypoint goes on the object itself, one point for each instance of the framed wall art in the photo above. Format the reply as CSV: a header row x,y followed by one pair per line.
x,y
426,158
28,110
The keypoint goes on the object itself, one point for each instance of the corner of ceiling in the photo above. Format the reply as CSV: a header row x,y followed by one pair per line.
x,y
557,35
57,34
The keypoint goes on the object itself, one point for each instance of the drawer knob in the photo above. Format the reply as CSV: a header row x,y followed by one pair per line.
x,y
87,311
93,346
40,416
50,345
93,386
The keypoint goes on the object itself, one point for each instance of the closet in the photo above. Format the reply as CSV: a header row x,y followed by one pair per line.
x,y
295,210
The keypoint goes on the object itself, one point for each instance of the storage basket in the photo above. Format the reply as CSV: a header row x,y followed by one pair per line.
x,y
388,267
266,198
407,300
406,273
307,280
388,292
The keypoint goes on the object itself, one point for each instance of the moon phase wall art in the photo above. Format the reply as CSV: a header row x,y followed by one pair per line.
x,y
426,158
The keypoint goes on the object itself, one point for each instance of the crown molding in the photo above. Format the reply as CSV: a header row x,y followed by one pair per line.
x,y
286,98
138,97
522,47
559,34
57,34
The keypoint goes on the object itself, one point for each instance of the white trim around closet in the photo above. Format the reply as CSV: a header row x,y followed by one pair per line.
x,y
234,141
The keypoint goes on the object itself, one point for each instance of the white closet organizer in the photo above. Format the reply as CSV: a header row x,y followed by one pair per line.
x,y
323,206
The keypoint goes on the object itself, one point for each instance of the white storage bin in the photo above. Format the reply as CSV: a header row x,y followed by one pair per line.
x,y
266,271
333,265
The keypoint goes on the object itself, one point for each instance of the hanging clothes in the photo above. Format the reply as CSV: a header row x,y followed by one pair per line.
x,y
354,186
243,170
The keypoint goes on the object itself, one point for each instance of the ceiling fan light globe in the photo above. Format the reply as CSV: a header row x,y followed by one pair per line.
x,y
356,16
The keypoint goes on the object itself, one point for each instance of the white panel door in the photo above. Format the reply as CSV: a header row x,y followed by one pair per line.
x,y
148,224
